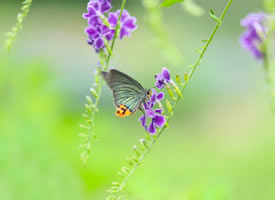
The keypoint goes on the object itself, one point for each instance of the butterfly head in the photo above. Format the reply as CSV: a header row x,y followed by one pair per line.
x,y
148,94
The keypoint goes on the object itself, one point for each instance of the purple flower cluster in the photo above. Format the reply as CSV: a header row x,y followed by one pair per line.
x,y
158,120
255,33
101,28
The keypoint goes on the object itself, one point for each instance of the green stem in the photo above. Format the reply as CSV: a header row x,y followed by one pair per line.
x,y
11,36
266,65
105,60
197,63
268,39
115,35
268,79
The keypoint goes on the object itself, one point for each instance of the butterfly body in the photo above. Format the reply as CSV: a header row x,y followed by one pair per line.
x,y
127,92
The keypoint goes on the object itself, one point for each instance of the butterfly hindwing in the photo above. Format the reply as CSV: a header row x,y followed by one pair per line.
x,y
122,111
128,93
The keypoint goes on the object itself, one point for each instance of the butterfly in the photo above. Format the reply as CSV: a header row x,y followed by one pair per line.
x,y
128,93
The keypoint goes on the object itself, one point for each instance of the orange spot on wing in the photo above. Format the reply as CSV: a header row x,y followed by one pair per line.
x,y
122,111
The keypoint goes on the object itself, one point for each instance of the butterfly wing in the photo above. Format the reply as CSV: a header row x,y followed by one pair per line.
x,y
128,93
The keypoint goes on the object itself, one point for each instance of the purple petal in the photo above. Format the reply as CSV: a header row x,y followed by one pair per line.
x,y
154,98
150,113
160,96
152,128
130,23
91,11
165,73
159,77
124,15
124,32
153,91
110,35
94,21
159,111
90,41
93,4
105,7
105,29
253,18
257,53
159,84
91,31
146,106
159,120
102,1
86,15
112,19
143,120
253,37
250,40
248,37
99,43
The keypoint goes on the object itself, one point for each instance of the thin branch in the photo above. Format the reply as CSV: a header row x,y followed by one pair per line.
x,y
118,187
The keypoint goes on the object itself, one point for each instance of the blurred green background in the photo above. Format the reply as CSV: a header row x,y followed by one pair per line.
x,y
221,141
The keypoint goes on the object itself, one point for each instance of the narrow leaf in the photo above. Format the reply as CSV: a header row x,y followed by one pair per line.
x,y
168,3
214,17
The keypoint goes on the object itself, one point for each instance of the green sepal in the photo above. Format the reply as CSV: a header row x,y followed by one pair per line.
x,y
214,17
186,77
169,106
94,93
170,91
178,79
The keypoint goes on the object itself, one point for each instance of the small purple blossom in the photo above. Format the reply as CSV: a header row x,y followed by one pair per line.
x,y
128,23
96,35
255,33
162,78
97,8
158,120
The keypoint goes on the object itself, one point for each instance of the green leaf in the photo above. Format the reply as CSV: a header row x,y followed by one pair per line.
x,y
168,3
213,16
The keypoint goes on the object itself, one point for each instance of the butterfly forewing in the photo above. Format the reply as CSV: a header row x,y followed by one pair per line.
x,y
127,91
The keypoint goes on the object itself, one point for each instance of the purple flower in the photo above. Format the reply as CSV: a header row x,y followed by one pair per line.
x,y
97,8
162,78
96,35
255,33
158,120
128,23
